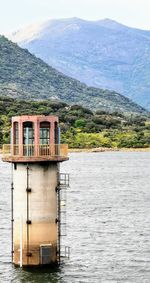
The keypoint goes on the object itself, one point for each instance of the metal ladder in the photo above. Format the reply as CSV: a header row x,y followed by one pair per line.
x,y
63,185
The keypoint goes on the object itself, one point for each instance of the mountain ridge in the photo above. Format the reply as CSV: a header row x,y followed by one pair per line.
x,y
24,76
104,54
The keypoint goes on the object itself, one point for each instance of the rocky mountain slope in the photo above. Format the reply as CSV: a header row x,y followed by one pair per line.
x,y
102,54
24,76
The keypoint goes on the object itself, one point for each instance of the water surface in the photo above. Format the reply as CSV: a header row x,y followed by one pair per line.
x,y
108,221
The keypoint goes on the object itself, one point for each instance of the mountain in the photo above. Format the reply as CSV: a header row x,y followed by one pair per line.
x,y
104,53
24,76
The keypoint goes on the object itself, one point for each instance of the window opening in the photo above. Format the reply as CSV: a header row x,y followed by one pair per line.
x,y
44,133
28,138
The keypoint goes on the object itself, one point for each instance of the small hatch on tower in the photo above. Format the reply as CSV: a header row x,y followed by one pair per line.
x,y
46,254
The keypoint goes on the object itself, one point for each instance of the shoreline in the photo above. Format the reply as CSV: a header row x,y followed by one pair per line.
x,y
107,149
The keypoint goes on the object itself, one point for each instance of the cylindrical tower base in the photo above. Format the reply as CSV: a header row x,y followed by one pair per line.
x,y
35,213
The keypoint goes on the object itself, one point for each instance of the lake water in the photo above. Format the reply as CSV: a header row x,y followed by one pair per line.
x,y
108,221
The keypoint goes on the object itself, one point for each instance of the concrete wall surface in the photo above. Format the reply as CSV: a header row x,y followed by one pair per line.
x,y
39,206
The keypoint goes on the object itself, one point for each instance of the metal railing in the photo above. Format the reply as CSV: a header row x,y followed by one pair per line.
x,y
40,150
65,252
64,180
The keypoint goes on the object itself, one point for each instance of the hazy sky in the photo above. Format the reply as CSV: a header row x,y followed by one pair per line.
x,y
15,14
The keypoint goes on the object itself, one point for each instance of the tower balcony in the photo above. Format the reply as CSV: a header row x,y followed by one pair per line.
x,y
34,153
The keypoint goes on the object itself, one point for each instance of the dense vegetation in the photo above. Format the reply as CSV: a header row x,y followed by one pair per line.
x,y
24,76
80,127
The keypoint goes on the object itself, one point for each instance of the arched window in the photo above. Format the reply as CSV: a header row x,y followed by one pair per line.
x,y
44,133
16,133
56,138
56,141
16,139
28,138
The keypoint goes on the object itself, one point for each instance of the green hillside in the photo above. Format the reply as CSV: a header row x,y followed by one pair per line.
x,y
80,127
24,76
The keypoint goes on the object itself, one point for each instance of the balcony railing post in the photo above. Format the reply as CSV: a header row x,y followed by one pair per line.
x,y
36,150
21,150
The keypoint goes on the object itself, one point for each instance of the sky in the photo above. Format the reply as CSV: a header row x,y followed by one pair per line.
x,y
16,14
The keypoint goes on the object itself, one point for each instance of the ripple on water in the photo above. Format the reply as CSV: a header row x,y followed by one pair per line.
x,y
108,221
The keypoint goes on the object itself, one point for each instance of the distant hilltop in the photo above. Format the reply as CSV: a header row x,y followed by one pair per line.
x,y
26,77
104,53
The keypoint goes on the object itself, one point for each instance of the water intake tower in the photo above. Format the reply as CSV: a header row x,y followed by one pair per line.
x,y
38,190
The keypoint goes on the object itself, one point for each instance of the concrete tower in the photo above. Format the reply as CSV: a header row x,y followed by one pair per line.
x,y
37,189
